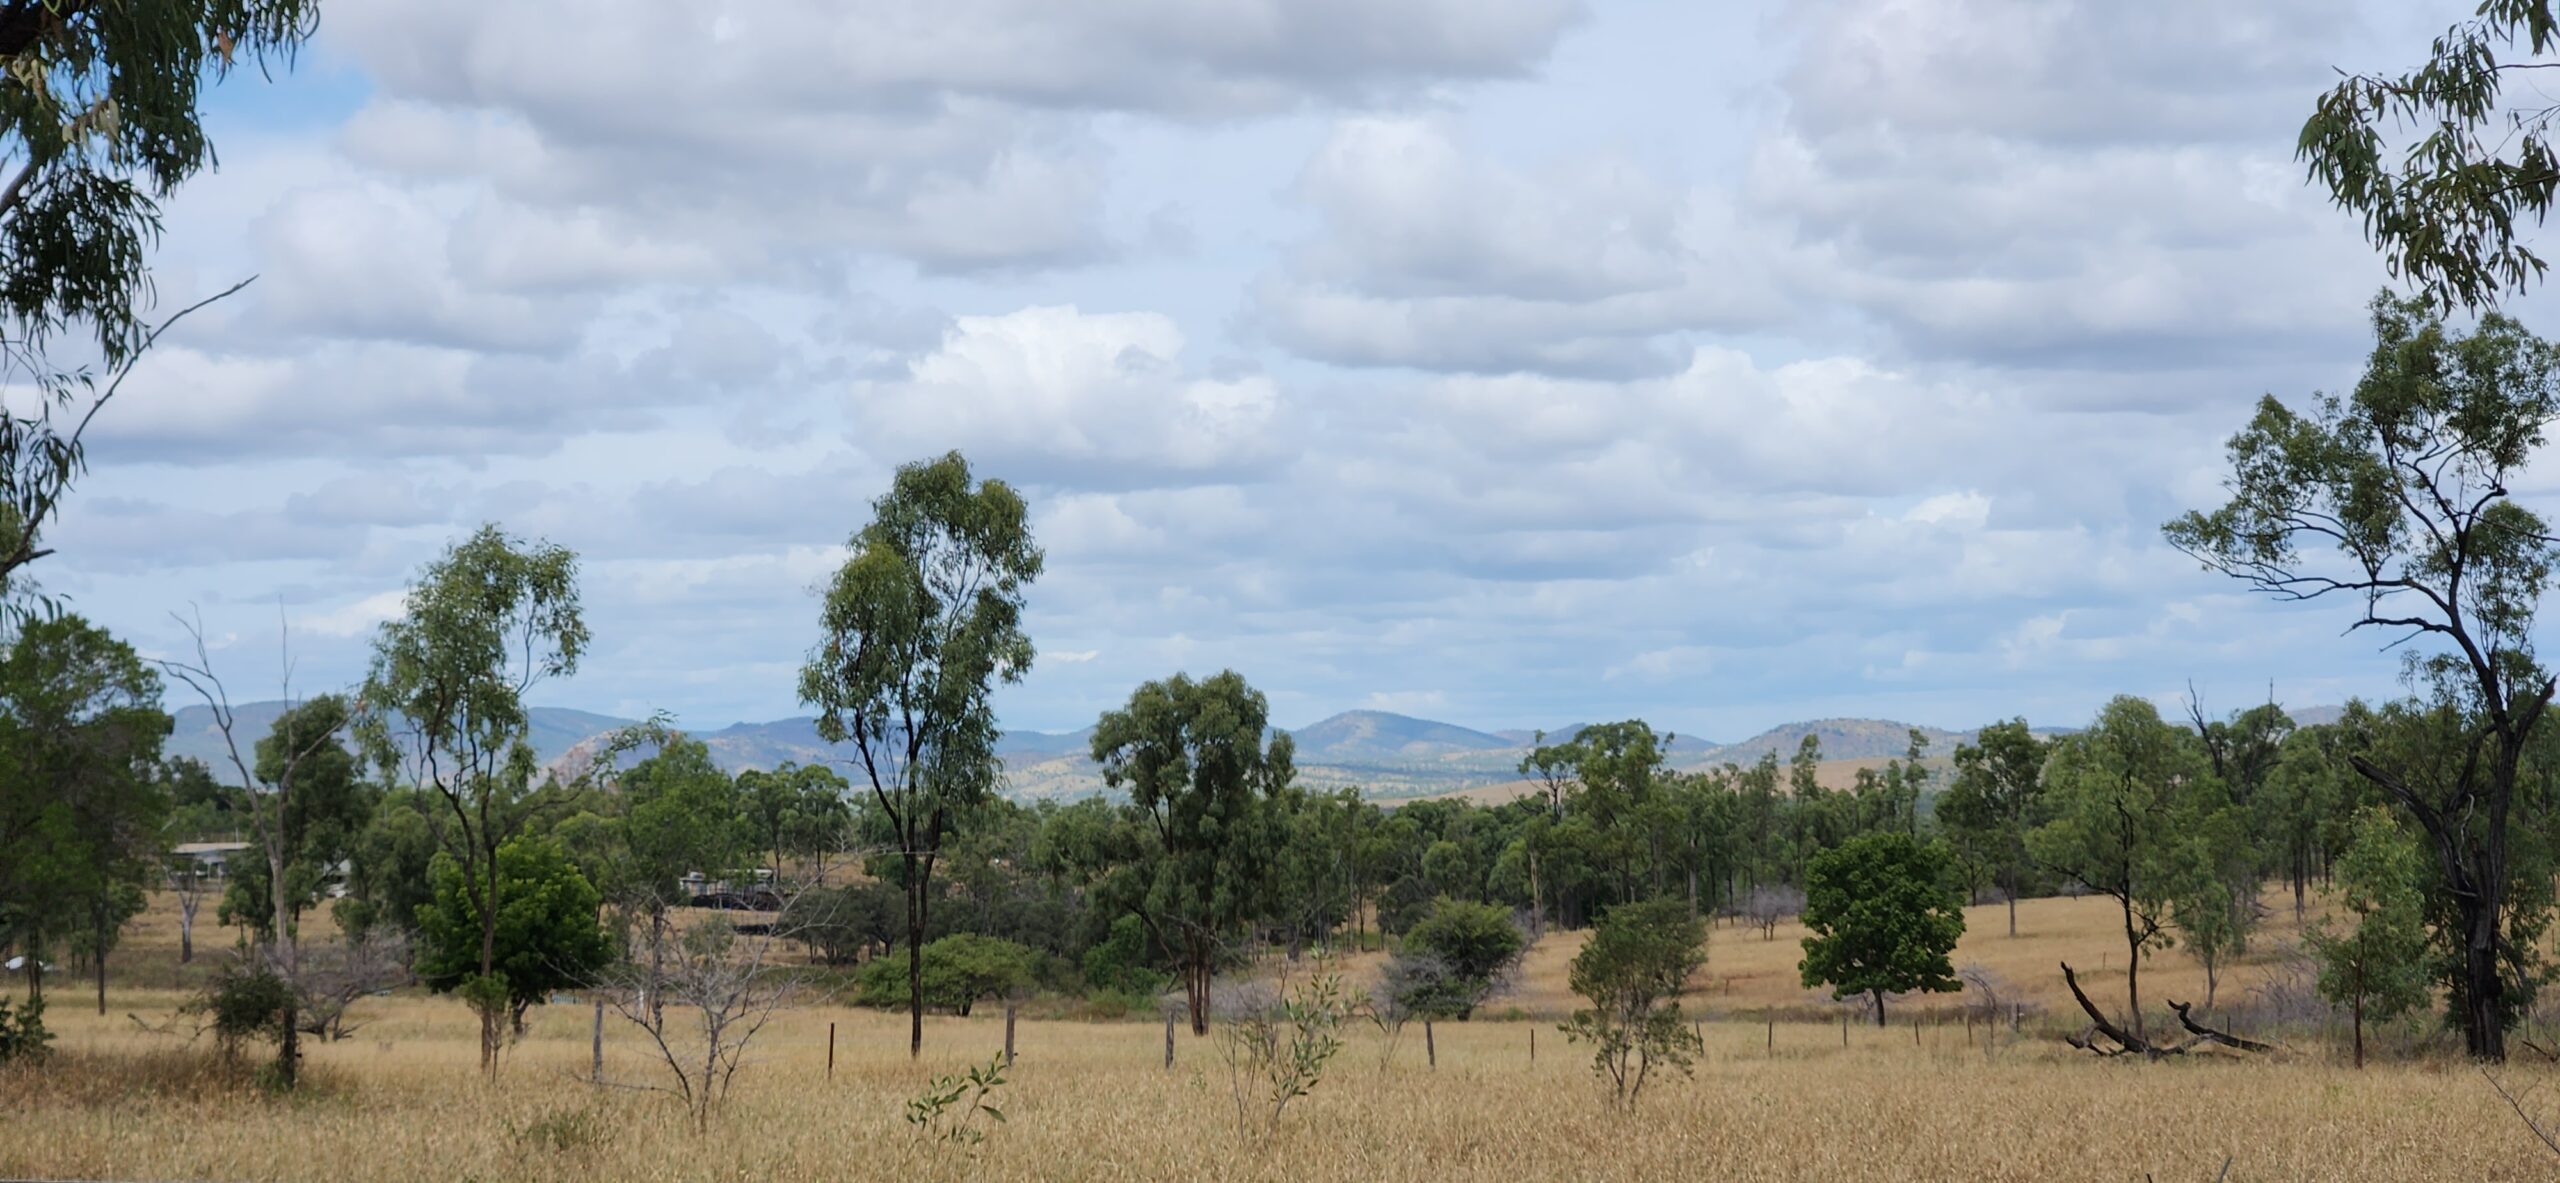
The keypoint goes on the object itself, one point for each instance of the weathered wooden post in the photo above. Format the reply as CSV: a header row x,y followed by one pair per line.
x,y
1168,1039
1533,1043
596,1063
1008,1033
1770,1016
1844,1026
1430,1050
831,1049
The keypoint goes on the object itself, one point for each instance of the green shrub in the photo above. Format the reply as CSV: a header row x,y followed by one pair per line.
x,y
1476,944
959,970
244,1001
1118,963
22,1034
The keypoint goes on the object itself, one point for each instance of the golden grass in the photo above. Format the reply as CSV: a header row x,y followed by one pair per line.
x,y
402,1101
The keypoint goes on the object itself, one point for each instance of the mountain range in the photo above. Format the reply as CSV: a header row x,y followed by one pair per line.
x,y
1389,755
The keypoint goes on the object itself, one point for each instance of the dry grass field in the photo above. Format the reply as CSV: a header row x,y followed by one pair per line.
x,y
402,1099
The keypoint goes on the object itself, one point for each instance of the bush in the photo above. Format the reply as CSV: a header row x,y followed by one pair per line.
x,y
1475,944
244,1001
1118,964
959,970
22,1034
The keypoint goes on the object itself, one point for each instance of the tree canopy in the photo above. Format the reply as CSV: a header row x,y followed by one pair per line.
x,y
1884,914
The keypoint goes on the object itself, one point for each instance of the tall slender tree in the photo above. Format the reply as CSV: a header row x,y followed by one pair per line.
x,y
919,625
1995,799
2117,792
443,708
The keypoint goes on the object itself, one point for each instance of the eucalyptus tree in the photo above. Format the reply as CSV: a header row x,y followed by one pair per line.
x,y
2396,498
1200,773
1995,799
443,709
2118,800
80,821
919,625
101,118
2448,213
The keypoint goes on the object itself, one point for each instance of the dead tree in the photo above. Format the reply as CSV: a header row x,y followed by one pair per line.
x,y
333,977
725,985
186,881
268,806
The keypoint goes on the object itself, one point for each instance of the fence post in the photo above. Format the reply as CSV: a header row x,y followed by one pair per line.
x,y
596,1064
831,1049
1844,1026
1008,1033
1430,1049
1770,1016
1533,1043
1168,1039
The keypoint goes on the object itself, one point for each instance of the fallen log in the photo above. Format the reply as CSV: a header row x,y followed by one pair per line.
x,y
2210,1035
2125,1040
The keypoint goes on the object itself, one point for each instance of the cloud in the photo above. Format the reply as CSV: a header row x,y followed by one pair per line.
x,y
1434,258
1059,395
2065,185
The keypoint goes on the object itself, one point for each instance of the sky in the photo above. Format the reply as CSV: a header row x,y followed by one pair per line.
x,y
1507,362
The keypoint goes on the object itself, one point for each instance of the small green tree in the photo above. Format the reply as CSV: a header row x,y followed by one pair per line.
x,y
1994,800
1884,913
1476,943
1193,758
2118,795
545,930
490,619
1632,971
2377,968
959,970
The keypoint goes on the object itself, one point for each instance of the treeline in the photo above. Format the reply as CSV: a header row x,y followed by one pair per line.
x,y
2432,816
1190,866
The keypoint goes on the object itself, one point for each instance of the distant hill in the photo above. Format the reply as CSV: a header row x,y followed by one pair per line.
x,y
555,732
1361,737
1842,739
1388,755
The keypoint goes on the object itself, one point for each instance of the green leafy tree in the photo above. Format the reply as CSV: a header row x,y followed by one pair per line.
x,y
1884,914
319,822
797,811
486,622
1193,758
2117,793
1995,799
544,921
959,970
2396,499
841,924
2376,967
2447,213
101,118
84,808
919,626
1632,971
2214,905
387,867
1476,944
